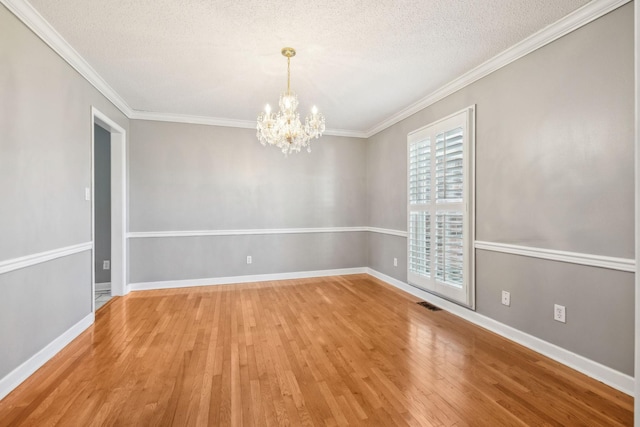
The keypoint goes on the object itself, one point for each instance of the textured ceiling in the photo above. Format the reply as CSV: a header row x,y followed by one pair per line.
x,y
359,61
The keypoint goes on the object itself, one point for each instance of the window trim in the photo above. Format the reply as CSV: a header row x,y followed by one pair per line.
x,y
469,191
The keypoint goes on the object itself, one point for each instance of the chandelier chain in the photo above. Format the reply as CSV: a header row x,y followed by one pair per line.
x,y
288,76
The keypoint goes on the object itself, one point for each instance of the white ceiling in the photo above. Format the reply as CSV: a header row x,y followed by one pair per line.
x,y
359,61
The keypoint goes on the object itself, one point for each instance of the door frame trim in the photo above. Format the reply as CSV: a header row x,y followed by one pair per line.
x,y
119,285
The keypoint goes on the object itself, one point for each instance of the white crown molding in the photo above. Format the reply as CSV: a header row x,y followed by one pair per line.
x,y
45,31
33,259
215,281
580,17
618,380
612,263
194,120
34,21
14,378
216,121
346,132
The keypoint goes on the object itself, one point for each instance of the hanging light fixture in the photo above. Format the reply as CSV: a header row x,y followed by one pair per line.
x,y
284,129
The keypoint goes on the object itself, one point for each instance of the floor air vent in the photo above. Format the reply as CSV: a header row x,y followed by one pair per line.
x,y
429,306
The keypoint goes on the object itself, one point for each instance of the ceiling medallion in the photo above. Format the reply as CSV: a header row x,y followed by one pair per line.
x,y
284,129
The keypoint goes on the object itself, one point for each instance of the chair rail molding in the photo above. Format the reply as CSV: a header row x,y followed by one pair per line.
x,y
260,231
612,263
40,257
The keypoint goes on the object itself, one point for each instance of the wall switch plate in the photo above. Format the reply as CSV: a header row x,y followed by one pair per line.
x,y
559,313
249,260
395,262
506,298
106,264
87,194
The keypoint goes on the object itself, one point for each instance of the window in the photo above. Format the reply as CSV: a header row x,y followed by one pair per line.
x,y
440,211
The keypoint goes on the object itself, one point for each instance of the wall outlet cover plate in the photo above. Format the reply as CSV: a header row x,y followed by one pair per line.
x,y
506,298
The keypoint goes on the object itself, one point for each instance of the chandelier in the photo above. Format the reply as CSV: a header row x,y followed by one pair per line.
x,y
284,129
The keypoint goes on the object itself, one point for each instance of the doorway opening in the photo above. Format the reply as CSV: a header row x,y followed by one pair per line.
x,y
101,215
108,224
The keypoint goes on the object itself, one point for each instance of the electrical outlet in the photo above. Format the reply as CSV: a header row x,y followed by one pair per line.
x,y
87,194
395,262
506,298
106,264
249,260
559,313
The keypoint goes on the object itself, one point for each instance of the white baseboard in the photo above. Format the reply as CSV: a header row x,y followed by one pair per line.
x,y
22,372
106,286
611,377
618,380
143,286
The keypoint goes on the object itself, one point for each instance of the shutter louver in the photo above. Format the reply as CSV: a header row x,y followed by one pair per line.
x,y
420,243
449,166
420,172
449,248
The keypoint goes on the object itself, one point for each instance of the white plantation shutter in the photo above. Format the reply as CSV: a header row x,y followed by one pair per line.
x,y
439,218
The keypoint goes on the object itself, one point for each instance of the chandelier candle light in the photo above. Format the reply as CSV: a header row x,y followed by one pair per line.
x,y
284,129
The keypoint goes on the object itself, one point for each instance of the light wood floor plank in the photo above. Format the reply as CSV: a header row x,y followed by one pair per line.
x,y
346,350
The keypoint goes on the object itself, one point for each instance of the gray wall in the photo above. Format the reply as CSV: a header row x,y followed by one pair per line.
x,y
554,170
381,251
102,202
193,177
45,165
600,304
39,303
170,258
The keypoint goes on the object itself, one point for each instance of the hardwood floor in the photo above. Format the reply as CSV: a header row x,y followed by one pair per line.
x,y
345,350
